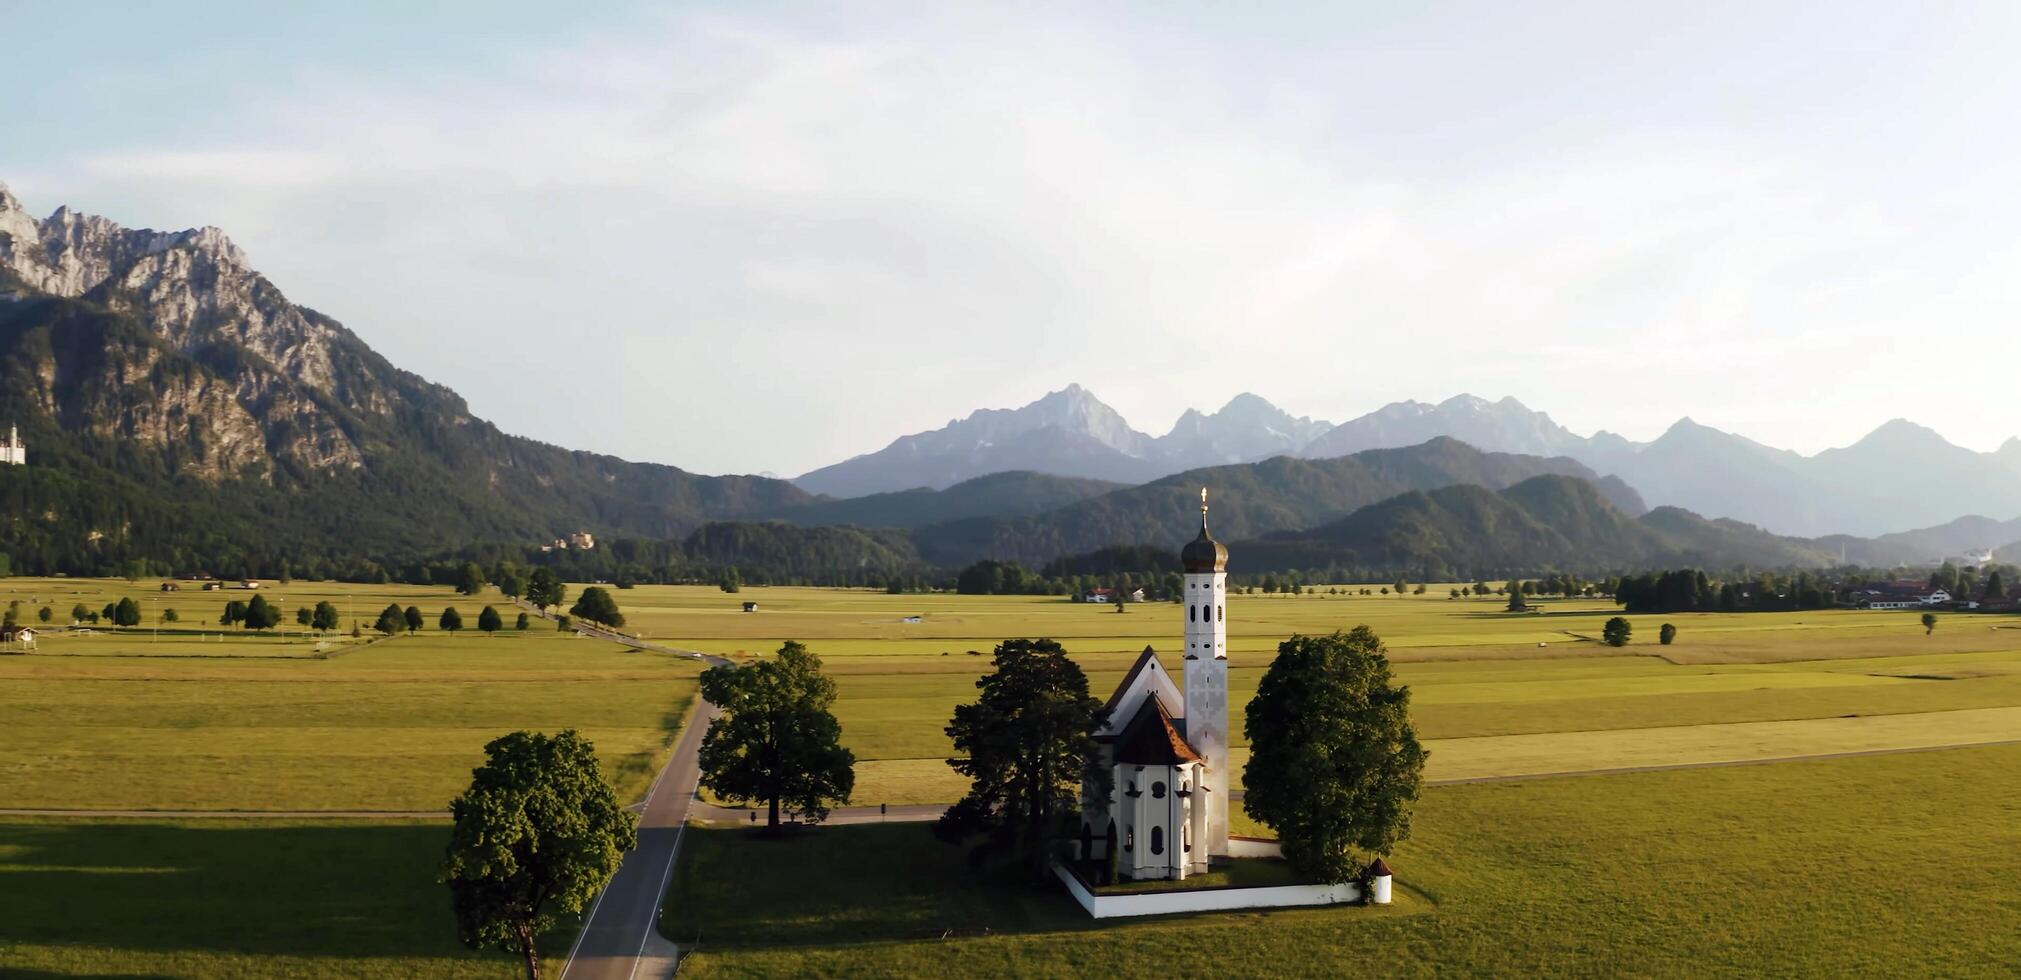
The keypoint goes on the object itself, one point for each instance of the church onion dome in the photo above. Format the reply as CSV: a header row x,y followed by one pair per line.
x,y
1204,554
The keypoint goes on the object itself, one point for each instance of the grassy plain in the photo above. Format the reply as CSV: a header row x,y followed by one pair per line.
x,y
122,720
232,899
394,726
1494,693
1859,866
1551,876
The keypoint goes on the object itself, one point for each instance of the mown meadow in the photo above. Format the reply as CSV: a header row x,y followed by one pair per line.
x,y
1639,872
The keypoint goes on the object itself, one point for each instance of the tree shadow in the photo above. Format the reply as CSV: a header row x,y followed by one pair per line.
x,y
848,884
338,890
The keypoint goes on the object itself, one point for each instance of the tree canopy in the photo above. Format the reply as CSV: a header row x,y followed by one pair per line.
x,y
126,613
1027,742
544,589
538,833
596,605
324,617
451,620
488,621
1616,632
1334,762
776,740
414,619
470,579
390,620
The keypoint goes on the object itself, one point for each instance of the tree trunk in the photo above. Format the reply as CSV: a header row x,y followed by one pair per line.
x,y
526,947
772,817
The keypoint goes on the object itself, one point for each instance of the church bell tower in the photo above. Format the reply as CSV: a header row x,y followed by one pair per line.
x,y
1206,597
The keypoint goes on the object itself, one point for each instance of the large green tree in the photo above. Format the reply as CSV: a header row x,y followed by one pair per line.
x,y
1616,631
413,618
543,589
324,617
451,620
776,740
126,613
596,605
470,579
261,614
538,833
1027,743
390,620
488,621
1334,762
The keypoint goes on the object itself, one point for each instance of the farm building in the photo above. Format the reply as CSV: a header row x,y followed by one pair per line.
x,y
17,636
171,587
750,607
1899,595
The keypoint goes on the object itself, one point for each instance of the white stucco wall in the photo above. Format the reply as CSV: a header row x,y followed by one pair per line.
x,y
1203,900
1252,847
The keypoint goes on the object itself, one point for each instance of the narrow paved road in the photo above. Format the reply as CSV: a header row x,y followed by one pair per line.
x,y
621,940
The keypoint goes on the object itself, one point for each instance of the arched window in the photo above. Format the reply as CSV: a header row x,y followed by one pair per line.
x,y
1192,611
1157,840
1221,613
1158,791
1130,837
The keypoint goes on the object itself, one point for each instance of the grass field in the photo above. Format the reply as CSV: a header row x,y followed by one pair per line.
x,y
394,726
234,899
1493,693
1630,864
1869,866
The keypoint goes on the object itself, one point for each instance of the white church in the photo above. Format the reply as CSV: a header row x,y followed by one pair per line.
x,y
1167,748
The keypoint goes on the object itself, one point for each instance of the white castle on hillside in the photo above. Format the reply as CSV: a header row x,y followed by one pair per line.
x,y
1166,815
13,453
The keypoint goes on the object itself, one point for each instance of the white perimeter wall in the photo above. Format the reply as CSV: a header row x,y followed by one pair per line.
x,y
1204,900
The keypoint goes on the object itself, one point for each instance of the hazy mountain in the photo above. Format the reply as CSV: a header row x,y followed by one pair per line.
x,y
1014,494
1248,428
1546,523
178,407
1068,432
1248,499
1900,476
1505,426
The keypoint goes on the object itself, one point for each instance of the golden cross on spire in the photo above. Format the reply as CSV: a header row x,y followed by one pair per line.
x,y
1203,500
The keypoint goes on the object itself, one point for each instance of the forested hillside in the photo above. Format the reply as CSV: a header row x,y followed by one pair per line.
x,y
1249,500
179,409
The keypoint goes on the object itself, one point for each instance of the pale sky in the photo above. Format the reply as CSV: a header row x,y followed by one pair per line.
x,y
762,237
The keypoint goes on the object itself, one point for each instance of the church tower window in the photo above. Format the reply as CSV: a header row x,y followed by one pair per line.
x,y
1157,840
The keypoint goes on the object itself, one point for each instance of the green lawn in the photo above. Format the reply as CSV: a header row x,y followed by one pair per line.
x,y
232,899
1864,866
396,726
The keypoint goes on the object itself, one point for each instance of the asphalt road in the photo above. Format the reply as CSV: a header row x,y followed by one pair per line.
x,y
621,939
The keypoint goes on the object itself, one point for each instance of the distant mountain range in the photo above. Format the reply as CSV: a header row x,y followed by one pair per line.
x,y
1068,432
1546,522
1900,476
1250,499
177,407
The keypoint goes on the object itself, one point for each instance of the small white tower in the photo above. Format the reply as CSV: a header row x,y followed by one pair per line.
x,y
13,453
1206,598
1379,882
